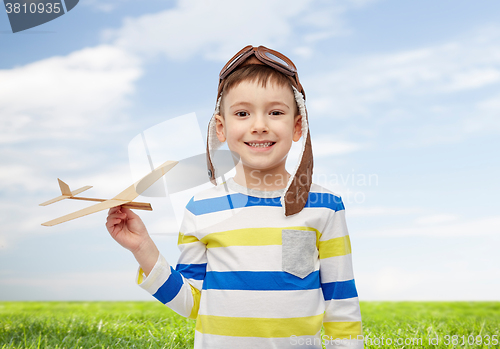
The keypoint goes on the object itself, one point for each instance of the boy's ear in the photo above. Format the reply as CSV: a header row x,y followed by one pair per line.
x,y
220,129
297,128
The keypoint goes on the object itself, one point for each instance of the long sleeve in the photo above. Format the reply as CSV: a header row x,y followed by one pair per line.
x,y
179,288
342,319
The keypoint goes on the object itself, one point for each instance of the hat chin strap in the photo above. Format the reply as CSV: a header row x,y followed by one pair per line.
x,y
297,189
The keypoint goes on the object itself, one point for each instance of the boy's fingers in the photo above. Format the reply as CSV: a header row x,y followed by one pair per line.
x,y
112,222
120,215
129,212
114,219
113,210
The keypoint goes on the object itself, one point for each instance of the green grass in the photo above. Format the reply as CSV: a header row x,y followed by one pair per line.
x,y
152,325
430,320
92,325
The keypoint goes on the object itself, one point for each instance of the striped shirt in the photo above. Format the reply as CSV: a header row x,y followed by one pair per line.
x,y
253,278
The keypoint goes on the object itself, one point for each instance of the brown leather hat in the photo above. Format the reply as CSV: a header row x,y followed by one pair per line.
x,y
297,190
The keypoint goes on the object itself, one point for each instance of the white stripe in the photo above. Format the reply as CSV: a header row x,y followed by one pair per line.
x,y
210,341
183,302
338,268
247,258
262,304
342,310
157,276
187,225
205,223
267,217
196,283
337,226
192,253
215,192
315,188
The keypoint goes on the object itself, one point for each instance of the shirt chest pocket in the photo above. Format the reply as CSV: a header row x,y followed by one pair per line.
x,y
299,252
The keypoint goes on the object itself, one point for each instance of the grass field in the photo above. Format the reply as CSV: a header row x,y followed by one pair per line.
x,y
152,325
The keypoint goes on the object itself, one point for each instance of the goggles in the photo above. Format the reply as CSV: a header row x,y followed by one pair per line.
x,y
266,56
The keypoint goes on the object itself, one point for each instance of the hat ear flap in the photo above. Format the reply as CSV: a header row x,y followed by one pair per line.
x,y
297,191
213,143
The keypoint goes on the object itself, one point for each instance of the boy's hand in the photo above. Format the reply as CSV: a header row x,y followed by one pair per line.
x,y
129,231
126,228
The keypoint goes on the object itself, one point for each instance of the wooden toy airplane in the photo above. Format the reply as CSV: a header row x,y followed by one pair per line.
x,y
125,198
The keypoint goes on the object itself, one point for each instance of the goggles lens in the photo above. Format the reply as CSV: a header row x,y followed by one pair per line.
x,y
235,61
277,59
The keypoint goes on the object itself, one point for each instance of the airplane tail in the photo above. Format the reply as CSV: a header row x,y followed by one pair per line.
x,y
66,193
64,188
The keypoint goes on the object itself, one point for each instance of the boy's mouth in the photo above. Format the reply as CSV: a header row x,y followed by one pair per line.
x,y
260,144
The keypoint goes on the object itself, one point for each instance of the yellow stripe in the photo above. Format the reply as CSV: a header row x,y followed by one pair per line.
x,y
140,277
196,305
249,237
342,330
335,247
186,239
259,327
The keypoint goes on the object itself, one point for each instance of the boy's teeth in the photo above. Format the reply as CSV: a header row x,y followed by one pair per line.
x,y
261,145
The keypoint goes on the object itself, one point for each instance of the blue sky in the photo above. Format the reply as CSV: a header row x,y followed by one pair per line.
x,y
404,110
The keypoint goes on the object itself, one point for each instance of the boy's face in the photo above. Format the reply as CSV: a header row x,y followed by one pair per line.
x,y
259,124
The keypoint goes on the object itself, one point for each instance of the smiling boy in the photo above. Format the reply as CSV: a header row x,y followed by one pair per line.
x,y
259,121
265,257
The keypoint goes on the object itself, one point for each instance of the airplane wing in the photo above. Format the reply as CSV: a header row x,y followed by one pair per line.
x,y
153,176
145,182
86,211
51,201
122,198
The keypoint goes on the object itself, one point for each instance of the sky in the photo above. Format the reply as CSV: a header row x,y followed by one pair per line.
x,y
404,111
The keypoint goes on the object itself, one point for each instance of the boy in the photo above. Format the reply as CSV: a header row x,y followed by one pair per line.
x,y
265,257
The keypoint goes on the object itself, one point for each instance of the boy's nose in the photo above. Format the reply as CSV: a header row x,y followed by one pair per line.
x,y
259,124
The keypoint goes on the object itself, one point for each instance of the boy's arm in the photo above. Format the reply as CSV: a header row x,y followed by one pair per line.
x,y
179,288
155,275
342,319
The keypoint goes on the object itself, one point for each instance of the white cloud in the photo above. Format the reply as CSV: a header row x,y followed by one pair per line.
x,y
62,97
396,283
423,91
216,29
358,211
436,219
104,5
381,78
3,243
105,285
324,146
441,226
389,282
